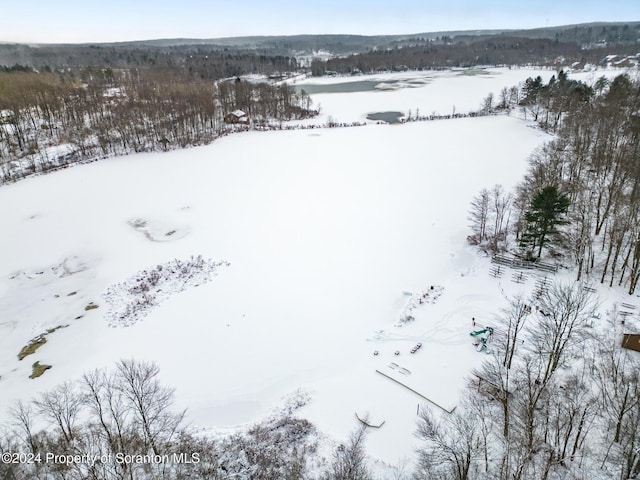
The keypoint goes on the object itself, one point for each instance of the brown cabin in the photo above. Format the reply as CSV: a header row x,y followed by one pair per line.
x,y
237,116
631,341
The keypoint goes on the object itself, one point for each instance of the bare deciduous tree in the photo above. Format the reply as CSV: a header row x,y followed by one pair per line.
x,y
451,444
479,214
148,401
61,406
349,460
565,311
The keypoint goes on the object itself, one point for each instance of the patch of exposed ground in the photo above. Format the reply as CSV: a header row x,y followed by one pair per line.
x,y
36,342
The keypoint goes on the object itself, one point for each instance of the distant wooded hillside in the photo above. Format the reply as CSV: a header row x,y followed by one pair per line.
x,y
267,54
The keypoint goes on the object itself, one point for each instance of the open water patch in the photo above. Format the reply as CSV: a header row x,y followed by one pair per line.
x,y
343,87
387,117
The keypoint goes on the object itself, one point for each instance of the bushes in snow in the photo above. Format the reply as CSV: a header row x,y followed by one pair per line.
x,y
131,300
429,296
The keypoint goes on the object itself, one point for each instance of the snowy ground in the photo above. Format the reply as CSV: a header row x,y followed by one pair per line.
x,y
426,92
326,232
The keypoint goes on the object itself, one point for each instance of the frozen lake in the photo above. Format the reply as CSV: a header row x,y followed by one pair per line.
x,y
325,232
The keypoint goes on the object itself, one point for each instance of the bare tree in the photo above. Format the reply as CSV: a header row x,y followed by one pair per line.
x,y
349,460
148,401
496,373
617,375
479,214
61,406
579,234
569,416
22,418
452,444
488,103
110,416
560,326
511,324
501,202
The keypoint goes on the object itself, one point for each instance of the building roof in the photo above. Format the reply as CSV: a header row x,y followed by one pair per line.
x,y
631,341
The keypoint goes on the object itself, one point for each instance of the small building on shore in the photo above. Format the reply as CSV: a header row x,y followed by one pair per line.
x,y
237,116
631,341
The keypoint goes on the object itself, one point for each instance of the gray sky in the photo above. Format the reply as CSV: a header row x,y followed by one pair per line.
x,y
74,21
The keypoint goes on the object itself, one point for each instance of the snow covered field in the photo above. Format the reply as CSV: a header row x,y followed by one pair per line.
x,y
325,232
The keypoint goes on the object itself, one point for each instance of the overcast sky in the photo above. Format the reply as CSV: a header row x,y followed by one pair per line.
x,y
74,21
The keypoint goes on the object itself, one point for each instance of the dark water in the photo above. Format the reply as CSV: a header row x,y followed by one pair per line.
x,y
359,86
389,117
345,87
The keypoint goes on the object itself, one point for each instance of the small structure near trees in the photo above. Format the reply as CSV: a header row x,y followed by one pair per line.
x,y
6,116
631,341
237,116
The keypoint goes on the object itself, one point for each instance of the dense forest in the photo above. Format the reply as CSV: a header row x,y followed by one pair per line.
x,y
447,52
256,52
579,203
588,34
60,104
228,61
558,397
52,119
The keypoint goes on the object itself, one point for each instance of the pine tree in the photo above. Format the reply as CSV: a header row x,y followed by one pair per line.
x,y
545,213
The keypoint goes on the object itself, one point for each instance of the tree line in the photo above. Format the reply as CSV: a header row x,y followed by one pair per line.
x,y
579,202
556,398
210,61
466,52
122,424
590,34
52,119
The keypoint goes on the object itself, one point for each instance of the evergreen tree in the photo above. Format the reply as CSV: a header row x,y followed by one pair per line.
x,y
532,88
545,213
